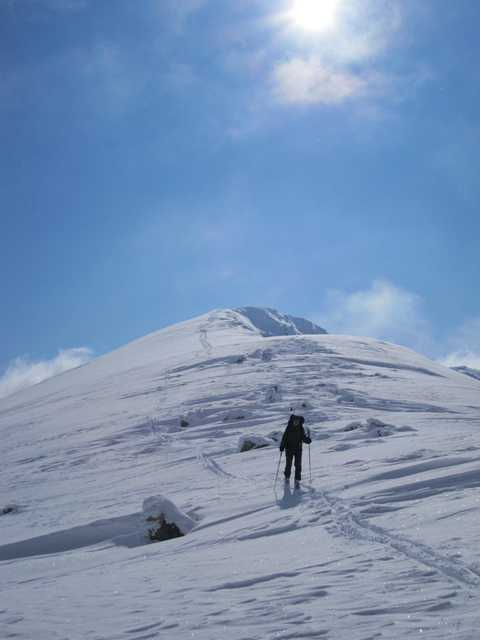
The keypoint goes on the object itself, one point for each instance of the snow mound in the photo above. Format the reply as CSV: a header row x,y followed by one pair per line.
x,y
273,394
248,442
270,322
276,436
373,428
266,355
162,511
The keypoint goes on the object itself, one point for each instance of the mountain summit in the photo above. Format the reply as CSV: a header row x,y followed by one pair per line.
x,y
273,323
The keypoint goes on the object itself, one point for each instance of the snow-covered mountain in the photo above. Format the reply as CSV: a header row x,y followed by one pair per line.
x,y
380,542
468,371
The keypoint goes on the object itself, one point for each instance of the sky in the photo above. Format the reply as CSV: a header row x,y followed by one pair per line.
x,y
161,158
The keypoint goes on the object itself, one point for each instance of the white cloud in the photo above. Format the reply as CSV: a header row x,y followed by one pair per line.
x,y
388,312
23,373
462,359
383,311
467,336
363,31
464,346
300,81
343,62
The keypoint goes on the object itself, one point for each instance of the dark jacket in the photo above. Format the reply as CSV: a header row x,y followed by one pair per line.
x,y
294,434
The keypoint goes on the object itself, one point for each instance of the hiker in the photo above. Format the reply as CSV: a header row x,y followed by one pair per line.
x,y
291,443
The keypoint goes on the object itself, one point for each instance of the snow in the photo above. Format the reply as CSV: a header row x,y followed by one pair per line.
x,y
468,371
382,543
249,441
161,506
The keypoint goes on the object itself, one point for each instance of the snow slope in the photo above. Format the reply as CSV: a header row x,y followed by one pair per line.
x,y
468,371
381,543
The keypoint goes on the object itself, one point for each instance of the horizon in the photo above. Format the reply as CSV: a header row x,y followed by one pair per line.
x,y
164,159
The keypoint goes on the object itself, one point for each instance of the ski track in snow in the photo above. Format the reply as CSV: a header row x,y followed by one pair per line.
x,y
352,526
203,337
214,467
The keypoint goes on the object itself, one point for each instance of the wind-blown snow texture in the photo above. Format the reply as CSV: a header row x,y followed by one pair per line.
x,y
468,371
383,543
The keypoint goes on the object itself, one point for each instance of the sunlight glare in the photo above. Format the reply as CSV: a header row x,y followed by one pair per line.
x,y
314,15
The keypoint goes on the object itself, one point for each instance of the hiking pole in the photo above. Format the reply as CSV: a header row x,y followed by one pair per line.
x,y
310,463
309,459
278,467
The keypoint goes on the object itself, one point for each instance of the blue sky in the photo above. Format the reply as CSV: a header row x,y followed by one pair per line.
x,y
162,158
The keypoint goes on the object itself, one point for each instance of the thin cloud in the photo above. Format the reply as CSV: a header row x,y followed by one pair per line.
x,y
464,345
383,311
299,81
342,63
469,359
387,312
23,372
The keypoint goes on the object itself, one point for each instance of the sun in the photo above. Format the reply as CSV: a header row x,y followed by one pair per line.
x,y
314,15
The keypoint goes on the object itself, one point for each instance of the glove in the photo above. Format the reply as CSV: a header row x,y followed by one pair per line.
x,y
282,449
308,440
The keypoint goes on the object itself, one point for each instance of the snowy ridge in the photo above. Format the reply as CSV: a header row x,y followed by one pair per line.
x,y
382,542
468,371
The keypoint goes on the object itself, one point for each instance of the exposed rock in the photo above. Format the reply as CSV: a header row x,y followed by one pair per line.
x,y
352,426
374,428
162,530
9,508
270,322
248,442
165,520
